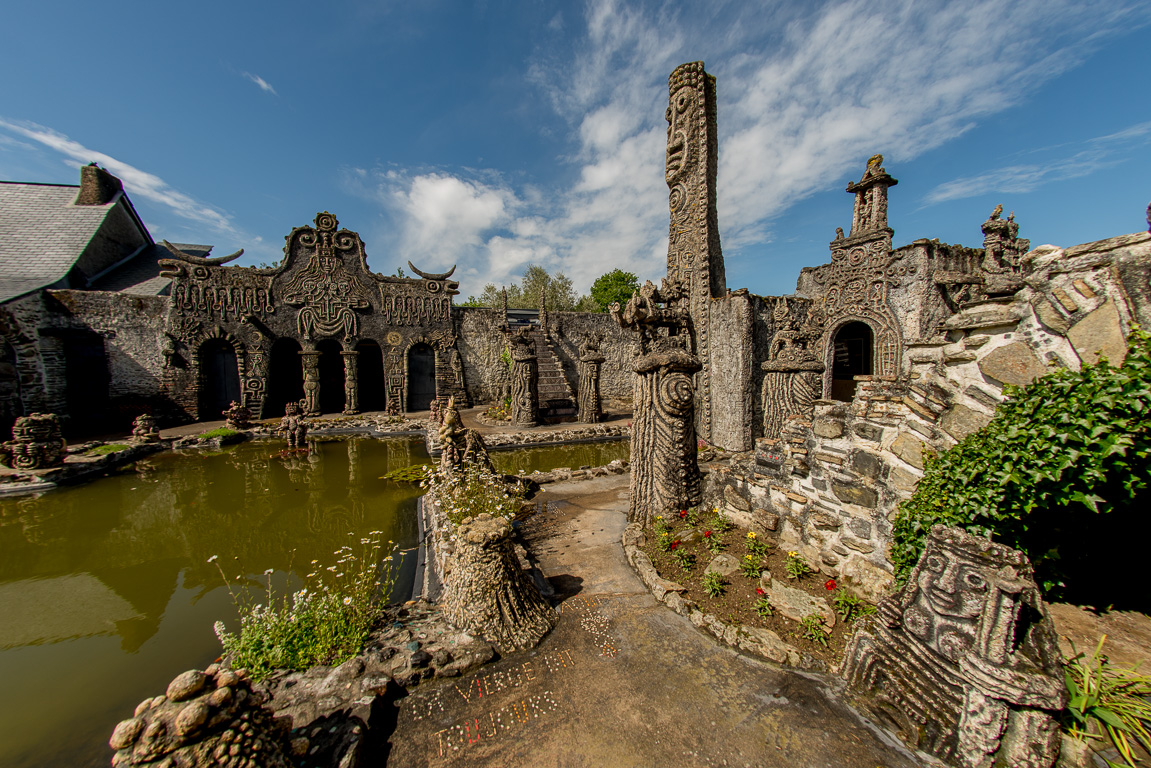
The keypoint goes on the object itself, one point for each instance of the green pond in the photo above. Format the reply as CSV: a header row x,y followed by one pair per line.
x,y
106,592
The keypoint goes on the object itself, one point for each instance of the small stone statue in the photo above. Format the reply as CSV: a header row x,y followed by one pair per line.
x,y
294,426
237,417
460,446
36,443
144,429
209,718
839,233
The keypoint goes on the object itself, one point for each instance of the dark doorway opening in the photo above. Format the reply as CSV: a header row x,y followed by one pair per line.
x,y
219,378
285,378
421,377
331,376
370,375
86,378
852,356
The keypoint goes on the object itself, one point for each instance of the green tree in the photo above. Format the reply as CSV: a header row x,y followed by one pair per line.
x,y
616,285
558,291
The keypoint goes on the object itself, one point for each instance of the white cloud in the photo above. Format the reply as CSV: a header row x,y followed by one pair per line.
x,y
138,183
261,82
806,94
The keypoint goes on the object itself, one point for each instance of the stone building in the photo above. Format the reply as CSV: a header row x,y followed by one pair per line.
x,y
100,323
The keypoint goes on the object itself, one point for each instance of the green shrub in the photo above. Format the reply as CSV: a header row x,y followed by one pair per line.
x,y
326,622
812,627
850,605
472,490
713,584
219,432
1107,700
104,450
1061,455
796,566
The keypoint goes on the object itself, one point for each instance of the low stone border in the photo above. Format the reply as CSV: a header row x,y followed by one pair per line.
x,y
560,474
754,640
76,468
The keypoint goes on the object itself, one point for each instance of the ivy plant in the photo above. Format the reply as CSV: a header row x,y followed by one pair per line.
x,y
1061,455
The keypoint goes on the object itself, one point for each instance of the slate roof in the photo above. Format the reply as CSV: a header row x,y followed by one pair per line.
x,y
141,275
42,234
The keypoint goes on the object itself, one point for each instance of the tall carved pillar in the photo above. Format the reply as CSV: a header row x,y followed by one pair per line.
x,y
590,411
665,475
351,382
525,382
310,359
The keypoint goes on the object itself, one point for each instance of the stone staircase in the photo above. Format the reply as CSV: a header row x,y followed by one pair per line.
x,y
557,401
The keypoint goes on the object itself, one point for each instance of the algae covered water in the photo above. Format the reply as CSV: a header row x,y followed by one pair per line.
x,y
106,592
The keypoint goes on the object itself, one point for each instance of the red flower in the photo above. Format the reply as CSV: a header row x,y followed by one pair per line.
x,y
683,513
707,534
675,544
830,584
759,591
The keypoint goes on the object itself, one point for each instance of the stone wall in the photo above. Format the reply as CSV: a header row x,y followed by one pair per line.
x,y
732,392
830,485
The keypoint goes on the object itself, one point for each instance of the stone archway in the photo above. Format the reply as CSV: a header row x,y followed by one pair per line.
x,y
219,378
331,376
373,385
852,354
421,377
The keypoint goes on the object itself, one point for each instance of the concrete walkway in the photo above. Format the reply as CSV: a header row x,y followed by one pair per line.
x,y
622,681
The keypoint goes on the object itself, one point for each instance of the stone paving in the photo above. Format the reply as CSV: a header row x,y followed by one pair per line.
x,y
622,681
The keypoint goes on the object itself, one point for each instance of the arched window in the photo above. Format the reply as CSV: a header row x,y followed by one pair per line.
x,y
219,378
852,355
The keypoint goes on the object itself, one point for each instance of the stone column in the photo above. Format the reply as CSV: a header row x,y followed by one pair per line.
x,y
665,475
351,382
487,593
789,388
590,411
525,386
311,364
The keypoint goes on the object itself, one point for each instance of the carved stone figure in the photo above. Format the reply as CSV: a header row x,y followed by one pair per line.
x,y
590,358
486,591
144,429
694,259
963,661
205,719
327,292
311,365
435,411
665,473
525,380
460,446
792,383
294,426
237,417
36,443
351,383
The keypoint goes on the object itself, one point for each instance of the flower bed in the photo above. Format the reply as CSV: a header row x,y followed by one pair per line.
x,y
753,586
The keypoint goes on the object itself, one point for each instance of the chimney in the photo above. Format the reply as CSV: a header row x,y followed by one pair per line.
x,y
97,186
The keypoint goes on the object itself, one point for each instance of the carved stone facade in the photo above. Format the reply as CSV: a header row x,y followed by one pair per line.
x,y
963,661
386,330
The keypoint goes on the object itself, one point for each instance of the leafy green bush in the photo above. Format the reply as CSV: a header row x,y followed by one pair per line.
x,y
1058,473
813,628
326,622
713,584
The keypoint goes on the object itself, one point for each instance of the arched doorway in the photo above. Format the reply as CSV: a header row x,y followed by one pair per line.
x,y
852,355
331,376
285,377
421,377
11,404
370,375
219,378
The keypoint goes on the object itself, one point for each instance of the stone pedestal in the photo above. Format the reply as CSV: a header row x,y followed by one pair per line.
x,y
36,443
351,382
311,366
525,387
590,411
963,661
665,475
487,593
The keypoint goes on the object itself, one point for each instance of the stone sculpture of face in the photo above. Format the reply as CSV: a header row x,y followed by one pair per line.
x,y
951,596
678,115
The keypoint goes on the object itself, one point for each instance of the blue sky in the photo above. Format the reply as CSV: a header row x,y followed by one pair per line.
x,y
495,134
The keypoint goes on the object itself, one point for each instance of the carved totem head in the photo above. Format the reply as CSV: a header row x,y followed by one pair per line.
x,y
686,113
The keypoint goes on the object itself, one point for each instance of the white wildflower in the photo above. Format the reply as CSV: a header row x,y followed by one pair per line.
x,y
213,558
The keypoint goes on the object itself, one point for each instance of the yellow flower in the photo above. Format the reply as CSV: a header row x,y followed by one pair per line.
x,y
751,534
792,554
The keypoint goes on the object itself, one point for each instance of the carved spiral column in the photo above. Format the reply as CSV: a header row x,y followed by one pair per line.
x,y
789,388
351,382
590,411
311,366
525,387
665,475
